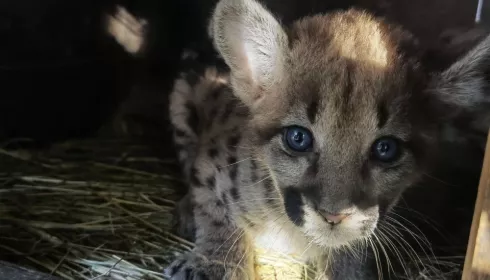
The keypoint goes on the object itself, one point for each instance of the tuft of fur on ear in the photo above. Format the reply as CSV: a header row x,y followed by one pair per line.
x,y
465,87
466,82
252,43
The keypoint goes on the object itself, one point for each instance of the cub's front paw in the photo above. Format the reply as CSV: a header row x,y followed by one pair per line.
x,y
195,267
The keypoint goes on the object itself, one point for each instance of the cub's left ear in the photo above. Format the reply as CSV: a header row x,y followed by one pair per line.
x,y
464,88
253,44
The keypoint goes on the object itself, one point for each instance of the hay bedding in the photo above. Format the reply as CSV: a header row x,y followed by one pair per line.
x,y
97,209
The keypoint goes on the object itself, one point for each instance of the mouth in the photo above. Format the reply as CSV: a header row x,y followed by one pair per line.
x,y
333,234
329,230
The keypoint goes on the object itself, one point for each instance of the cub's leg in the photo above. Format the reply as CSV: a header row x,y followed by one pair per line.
x,y
222,249
184,222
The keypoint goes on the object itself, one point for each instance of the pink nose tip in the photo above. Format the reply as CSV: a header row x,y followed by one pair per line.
x,y
334,219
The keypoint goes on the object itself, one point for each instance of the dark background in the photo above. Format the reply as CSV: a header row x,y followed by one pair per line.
x,y
62,76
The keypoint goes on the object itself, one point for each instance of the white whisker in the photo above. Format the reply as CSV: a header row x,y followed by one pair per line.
x,y
236,162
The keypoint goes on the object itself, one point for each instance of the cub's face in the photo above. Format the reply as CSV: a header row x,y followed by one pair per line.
x,y
346,138
343,117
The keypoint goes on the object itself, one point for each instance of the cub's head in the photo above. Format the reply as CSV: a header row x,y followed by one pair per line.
x,y
343,110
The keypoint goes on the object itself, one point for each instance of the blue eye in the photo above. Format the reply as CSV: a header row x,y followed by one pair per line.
x,y
297,138
386,149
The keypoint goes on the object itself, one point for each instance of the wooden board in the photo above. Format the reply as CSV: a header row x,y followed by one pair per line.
x,y
477,262
483,11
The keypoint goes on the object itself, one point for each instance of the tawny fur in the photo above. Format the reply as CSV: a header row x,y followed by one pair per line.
x,y
348,77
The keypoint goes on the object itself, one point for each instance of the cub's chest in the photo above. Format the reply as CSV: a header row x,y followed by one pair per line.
x,y
281,236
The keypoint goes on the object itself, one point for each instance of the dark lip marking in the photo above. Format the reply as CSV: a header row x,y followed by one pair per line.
x,y
293,204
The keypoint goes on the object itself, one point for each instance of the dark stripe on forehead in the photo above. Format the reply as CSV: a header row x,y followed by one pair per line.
x,y
312,111
382,115
344,103
349,80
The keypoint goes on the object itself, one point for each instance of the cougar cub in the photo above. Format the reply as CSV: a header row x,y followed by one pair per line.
x,y
311,137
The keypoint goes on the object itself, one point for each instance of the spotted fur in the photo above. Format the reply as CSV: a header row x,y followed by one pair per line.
x,y
348,77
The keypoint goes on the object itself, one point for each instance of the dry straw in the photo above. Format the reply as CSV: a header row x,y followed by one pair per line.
x,y
98,209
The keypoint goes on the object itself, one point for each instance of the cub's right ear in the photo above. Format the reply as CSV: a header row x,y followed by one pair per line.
x,y
252,43
464,88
